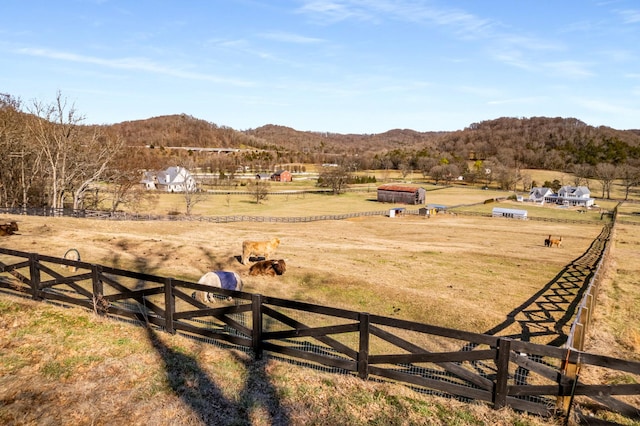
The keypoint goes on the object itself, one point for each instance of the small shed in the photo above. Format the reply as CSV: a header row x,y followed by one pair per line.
x,y
510,213
404,194
432,209
396,211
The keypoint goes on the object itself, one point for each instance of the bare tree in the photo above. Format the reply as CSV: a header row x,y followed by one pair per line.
x,y
438,172
259,190
451,172
192,196
507,177
605,173
405,169
630,176
335,178
581,174
21,176
191,192
93,165
425,164
73,159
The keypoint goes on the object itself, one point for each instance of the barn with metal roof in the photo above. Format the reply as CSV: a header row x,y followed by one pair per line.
x,y
510,213
403,194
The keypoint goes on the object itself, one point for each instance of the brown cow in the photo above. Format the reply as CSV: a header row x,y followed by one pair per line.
x,y
258,248
268,267
8,228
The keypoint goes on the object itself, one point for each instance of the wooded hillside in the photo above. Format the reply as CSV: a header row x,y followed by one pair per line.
x,y
537,142
56,160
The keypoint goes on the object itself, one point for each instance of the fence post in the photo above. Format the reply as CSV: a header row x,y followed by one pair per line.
x,y
569,373
256,320
502,375
98,291
363,351
34,272
169,305
96,279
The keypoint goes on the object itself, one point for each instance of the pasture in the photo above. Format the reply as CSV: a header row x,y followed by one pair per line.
x,y
69,366
465,272
457,271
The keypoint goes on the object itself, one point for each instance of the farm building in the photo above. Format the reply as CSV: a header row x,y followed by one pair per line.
x,y
510,213
404,194
396,211
575,196
540,195
263,176
567,195
432,210
173,179
281,176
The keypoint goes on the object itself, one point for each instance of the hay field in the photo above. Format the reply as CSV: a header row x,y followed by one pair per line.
x,y
456,271
296,204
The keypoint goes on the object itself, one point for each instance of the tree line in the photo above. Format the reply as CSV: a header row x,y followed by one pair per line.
x,y
52,159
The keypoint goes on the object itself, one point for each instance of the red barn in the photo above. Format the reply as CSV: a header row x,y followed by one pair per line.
x,y
281,176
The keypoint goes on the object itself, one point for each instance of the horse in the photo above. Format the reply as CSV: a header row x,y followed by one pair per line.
x,y
555,242
227,280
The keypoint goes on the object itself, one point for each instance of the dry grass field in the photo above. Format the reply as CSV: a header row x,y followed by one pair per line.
x,y
458,271
69,367
409,266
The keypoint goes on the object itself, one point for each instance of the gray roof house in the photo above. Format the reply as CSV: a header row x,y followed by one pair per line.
x,y
173,179
263,176
539,194
572,196
575,196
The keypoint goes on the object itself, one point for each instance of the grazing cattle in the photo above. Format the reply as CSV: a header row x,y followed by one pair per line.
x,y
220,279
8,228
258,248
554,242
547,241
268,267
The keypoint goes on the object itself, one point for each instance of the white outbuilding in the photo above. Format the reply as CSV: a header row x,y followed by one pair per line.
x,y
509,213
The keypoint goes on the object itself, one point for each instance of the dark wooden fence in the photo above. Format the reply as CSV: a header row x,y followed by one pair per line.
x,y
499,371
106,215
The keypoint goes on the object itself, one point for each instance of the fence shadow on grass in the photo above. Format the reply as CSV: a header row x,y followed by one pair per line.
x,y
547,314
191,383
260,393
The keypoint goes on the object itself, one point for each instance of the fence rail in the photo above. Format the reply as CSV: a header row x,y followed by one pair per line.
x,y
105,215
499,371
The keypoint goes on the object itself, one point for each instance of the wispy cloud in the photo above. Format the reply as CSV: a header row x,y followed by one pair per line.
x,y
524,100
290,38
606,107
330,11
136,64
630,16
479,91
569,68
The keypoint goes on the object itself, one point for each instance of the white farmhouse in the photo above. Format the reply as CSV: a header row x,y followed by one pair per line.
x,y
575,196
173,179
539,194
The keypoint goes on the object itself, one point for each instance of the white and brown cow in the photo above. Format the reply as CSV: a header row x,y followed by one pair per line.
x,y
268,267
227,280
259,249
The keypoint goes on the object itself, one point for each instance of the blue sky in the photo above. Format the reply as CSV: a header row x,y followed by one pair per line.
x,y
343,66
